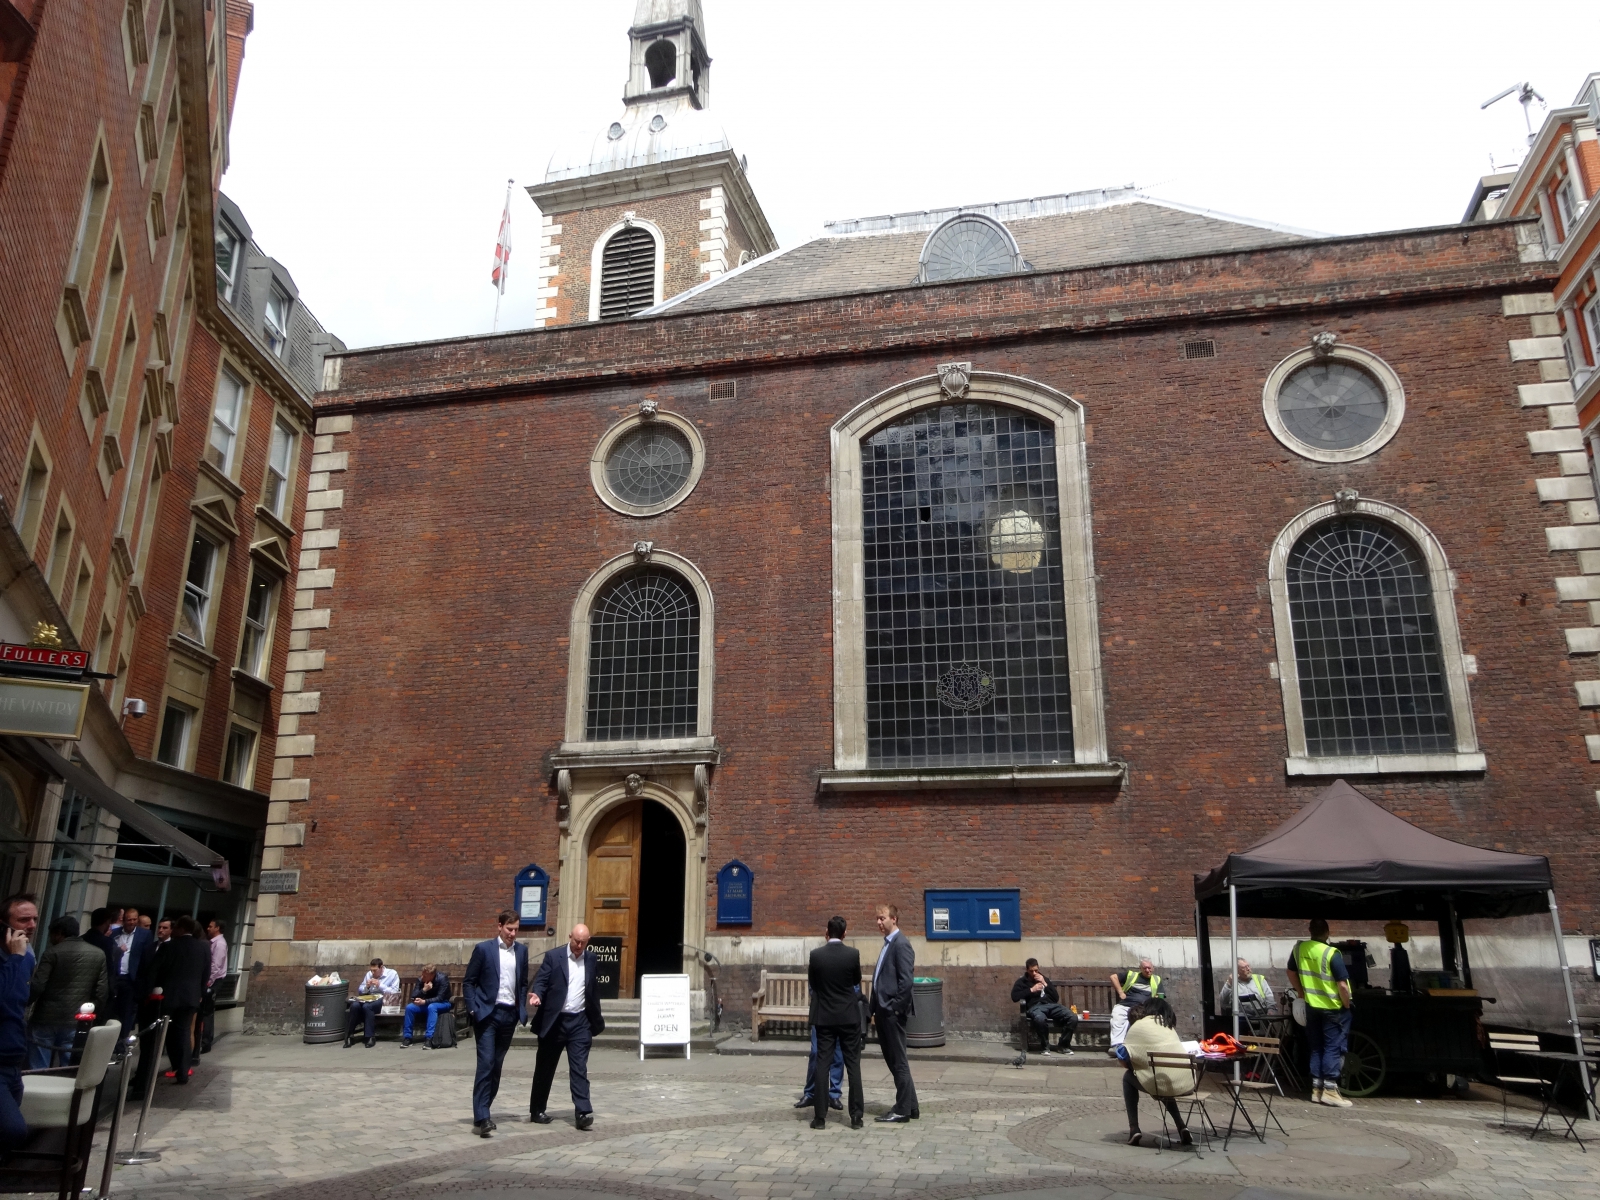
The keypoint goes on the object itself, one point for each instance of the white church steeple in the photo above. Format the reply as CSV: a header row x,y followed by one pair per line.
x,y
667,54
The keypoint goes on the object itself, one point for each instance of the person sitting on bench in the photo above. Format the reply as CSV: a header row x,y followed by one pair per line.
x,y
429,994
1133,989
1042,1007
368,1002
1255,993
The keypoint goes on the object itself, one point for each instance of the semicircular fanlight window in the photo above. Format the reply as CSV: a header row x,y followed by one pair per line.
x,y
966,248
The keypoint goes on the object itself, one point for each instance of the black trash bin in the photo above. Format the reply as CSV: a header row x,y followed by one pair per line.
x,y
325,1011
925,1026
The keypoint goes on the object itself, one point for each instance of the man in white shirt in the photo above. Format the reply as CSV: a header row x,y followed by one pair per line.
x,y
219,970
567,1017
378,982
494,986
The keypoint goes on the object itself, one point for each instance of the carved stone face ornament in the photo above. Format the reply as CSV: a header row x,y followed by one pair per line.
x,y
633,784
954,378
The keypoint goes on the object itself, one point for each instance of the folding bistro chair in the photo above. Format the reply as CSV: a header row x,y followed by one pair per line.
x,y
1190,1074
1518,1043
1263,1052
67,1098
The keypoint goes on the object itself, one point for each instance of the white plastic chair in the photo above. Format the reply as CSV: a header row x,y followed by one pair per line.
x,y
56,1100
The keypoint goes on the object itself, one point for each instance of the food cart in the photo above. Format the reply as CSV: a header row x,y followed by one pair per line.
x,y
1343,857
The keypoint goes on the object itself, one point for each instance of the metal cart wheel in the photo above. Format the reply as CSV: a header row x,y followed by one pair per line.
x,y
1365,1067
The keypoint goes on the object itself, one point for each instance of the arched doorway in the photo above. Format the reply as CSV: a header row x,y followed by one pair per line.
x,y
636,889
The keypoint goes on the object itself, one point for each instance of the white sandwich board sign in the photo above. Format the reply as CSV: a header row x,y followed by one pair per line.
x,y
664,1016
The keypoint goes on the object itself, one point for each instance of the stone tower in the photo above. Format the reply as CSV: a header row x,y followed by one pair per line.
x,y
658,201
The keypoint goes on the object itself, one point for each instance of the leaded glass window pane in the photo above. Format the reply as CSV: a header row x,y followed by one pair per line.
x,y
1366,643
644,659
1332,405
966,638
967,248
649,465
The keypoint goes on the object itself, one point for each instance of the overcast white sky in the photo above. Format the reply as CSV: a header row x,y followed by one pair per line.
x,y
372,139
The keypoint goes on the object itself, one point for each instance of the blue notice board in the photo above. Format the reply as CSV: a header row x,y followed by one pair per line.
x,y
972,914
735,894
531,895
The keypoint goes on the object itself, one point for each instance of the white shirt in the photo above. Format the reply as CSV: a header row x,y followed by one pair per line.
x,y
508,973
577,977
887,938
125,944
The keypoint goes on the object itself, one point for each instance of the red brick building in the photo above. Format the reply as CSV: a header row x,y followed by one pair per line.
x,y
155,429
1061,546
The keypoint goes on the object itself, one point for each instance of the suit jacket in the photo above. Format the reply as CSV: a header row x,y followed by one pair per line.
x,y
835,974
550,985
481,984
103,943
891,990
181,972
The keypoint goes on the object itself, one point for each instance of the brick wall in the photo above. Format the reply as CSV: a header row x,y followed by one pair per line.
x,y
678,218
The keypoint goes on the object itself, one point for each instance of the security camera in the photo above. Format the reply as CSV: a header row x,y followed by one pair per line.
x,y
134,708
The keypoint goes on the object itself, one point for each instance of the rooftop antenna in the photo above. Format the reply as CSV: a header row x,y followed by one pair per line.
x,y
1525,96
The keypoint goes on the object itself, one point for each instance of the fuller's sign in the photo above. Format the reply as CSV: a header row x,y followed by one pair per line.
x,y
12,654
40,708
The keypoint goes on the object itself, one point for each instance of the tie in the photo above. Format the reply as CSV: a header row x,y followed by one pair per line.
x,y
882,954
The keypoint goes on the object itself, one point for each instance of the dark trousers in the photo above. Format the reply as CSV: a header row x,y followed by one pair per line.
x,y
178,1042
849,1038
125,1002
892,1039
835,1070
570,1032
1131,1091
13,1129
363,1011
208,1019
493,1035
1042,1016
1328,1032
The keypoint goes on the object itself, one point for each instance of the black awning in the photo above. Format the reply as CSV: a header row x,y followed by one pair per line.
x,y
128,811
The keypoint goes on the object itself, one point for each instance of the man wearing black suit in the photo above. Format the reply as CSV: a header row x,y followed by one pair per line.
x,y
568,1002
495,988
835,976
891,1005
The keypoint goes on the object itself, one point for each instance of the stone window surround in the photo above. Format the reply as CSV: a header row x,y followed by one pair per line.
x,y
1091,765
578,656
1339,352
597,462
629,221
1467,757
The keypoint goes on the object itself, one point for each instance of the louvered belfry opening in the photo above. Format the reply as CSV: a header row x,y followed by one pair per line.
x,y
628,273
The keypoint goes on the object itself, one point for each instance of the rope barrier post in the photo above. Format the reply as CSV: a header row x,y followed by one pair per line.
x,y
138,1156
127,1045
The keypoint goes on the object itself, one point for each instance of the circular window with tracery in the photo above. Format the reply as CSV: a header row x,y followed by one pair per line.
x,y
647,463
1333,403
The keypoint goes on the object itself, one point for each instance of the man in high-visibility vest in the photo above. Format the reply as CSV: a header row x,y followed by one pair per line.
x,y
1318,973
1133,988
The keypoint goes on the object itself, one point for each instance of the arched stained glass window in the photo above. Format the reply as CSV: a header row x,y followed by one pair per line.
x,y
1366,642
966,639
628,272
644,659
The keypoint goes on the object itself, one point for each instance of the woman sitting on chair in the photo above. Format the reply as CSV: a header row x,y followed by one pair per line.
x,y
1152,1029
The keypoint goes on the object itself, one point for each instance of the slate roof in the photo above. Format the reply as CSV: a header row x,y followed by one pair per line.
x,y
1129,227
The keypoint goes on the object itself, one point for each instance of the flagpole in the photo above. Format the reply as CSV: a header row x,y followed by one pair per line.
x,y
501,289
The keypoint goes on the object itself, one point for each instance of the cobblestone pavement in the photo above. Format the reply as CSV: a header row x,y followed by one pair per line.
x,y
270,1117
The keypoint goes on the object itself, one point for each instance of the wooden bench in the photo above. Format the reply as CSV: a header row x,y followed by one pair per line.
x,y
783,997
1092,996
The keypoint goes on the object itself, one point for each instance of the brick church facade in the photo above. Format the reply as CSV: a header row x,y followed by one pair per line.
x,y
1061,546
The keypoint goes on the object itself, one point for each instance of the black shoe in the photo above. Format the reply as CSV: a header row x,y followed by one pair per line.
x,y
917,1116
540,1118
857,1123
1185,1137
585,1120
836,1105
892,1118
1133,1137
481,1128
348,1042
492,1125
805,1102
819,1124
370,1043
405,1043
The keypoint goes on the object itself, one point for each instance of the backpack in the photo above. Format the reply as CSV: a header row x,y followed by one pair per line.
x,y
444,1033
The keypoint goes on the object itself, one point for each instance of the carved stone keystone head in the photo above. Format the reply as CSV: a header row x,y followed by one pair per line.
x,y
1322,344
1345,499
954,378
647,409
633,784
643,550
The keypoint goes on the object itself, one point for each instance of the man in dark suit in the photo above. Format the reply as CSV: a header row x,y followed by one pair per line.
x,y
835,977
568,1018
180,973
891,1005
134,945
495,988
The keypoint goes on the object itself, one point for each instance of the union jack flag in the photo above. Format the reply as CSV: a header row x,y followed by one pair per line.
x,y
502,249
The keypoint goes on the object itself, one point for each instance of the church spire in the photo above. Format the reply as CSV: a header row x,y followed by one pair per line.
x,y
667,54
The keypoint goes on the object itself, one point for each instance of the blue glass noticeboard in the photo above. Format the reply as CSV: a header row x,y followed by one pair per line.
x,y
530,895
735,894
972,914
